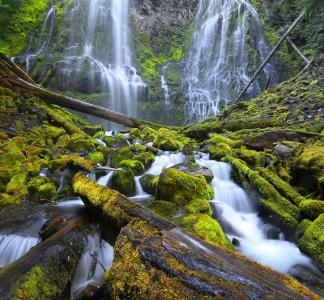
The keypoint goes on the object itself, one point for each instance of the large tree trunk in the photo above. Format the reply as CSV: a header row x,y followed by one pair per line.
x,y
155,259
15,78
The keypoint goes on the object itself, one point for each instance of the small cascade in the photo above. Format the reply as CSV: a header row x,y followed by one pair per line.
x,y
15,245
241,221
96,259
169,115
44,39
227,47
140,195
104,180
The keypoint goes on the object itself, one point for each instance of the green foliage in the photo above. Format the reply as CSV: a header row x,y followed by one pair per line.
x,y
17,19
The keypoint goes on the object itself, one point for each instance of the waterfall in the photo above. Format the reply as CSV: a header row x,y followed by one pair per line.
x,y
241,221
98,55
227,46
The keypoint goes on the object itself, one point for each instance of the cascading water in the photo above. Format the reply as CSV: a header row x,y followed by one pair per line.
x,y
227,46
98,55
242,222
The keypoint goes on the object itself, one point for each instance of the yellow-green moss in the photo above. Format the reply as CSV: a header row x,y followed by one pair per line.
x,y
311,209
170,140
149,183
284,188
198,206
206,228
251,157
181,188
97,157
71,161
312,241
123,181
146,158
119,155
36,286
9,200
117,141
138,148
215,139
41,189
165,209
132,164
219,151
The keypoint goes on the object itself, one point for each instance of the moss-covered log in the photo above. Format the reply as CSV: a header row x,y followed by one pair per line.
x,y
13,77
46,271
154,259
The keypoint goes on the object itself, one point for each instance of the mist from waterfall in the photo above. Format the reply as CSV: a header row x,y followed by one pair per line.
x,y
227,46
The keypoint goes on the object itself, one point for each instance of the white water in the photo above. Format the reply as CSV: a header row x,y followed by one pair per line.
x,y
227,47
236,213
14,246
104,180
96,259
98,55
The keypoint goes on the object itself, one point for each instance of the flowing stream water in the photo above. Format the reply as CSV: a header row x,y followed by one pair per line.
x,y
227,46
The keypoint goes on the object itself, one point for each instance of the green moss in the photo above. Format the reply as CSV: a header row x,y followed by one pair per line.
x,y
53,132
181,188
99,135
117,141
312,241
132,164
251,157
271,200
9,200
206,228
165,209
149,183
284,188
198,206
170,140
72,161
138,148
219,151
81,142
17,19
36,286
148,134
146,158
41,189
119,155
97,157
301,228
215,139
123,181
311,209
16,186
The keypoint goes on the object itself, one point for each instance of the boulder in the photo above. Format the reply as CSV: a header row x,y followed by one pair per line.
x,y
192,168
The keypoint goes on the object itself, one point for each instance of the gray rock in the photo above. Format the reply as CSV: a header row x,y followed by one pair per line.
x,y
195,169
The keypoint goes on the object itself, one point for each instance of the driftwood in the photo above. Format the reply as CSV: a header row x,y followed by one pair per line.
x,y
271,54
158,260
13,77
57,257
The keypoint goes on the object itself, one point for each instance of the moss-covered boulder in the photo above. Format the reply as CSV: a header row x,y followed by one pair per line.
x,y
192,168
97,157
137,148
181,188
132,164
72,161
146,158
206,228
41,189
165,209
219,151
170,140
119,155
149,183
117,141
198,206
123,181
312,241
311,209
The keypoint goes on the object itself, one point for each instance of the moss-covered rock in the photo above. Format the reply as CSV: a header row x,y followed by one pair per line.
x,y
283,187
132,164
312,241
146,158
117,141
123,181
181,188
149,183
198,206
219,151
41,189
192,168
251,157
301,228
119,155
9,200
311,209
72,161
206,228
165,209
138,148
169,140
97,157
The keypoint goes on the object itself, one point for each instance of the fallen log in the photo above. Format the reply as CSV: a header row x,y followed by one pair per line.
x,y
47,269
155,259
13,77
